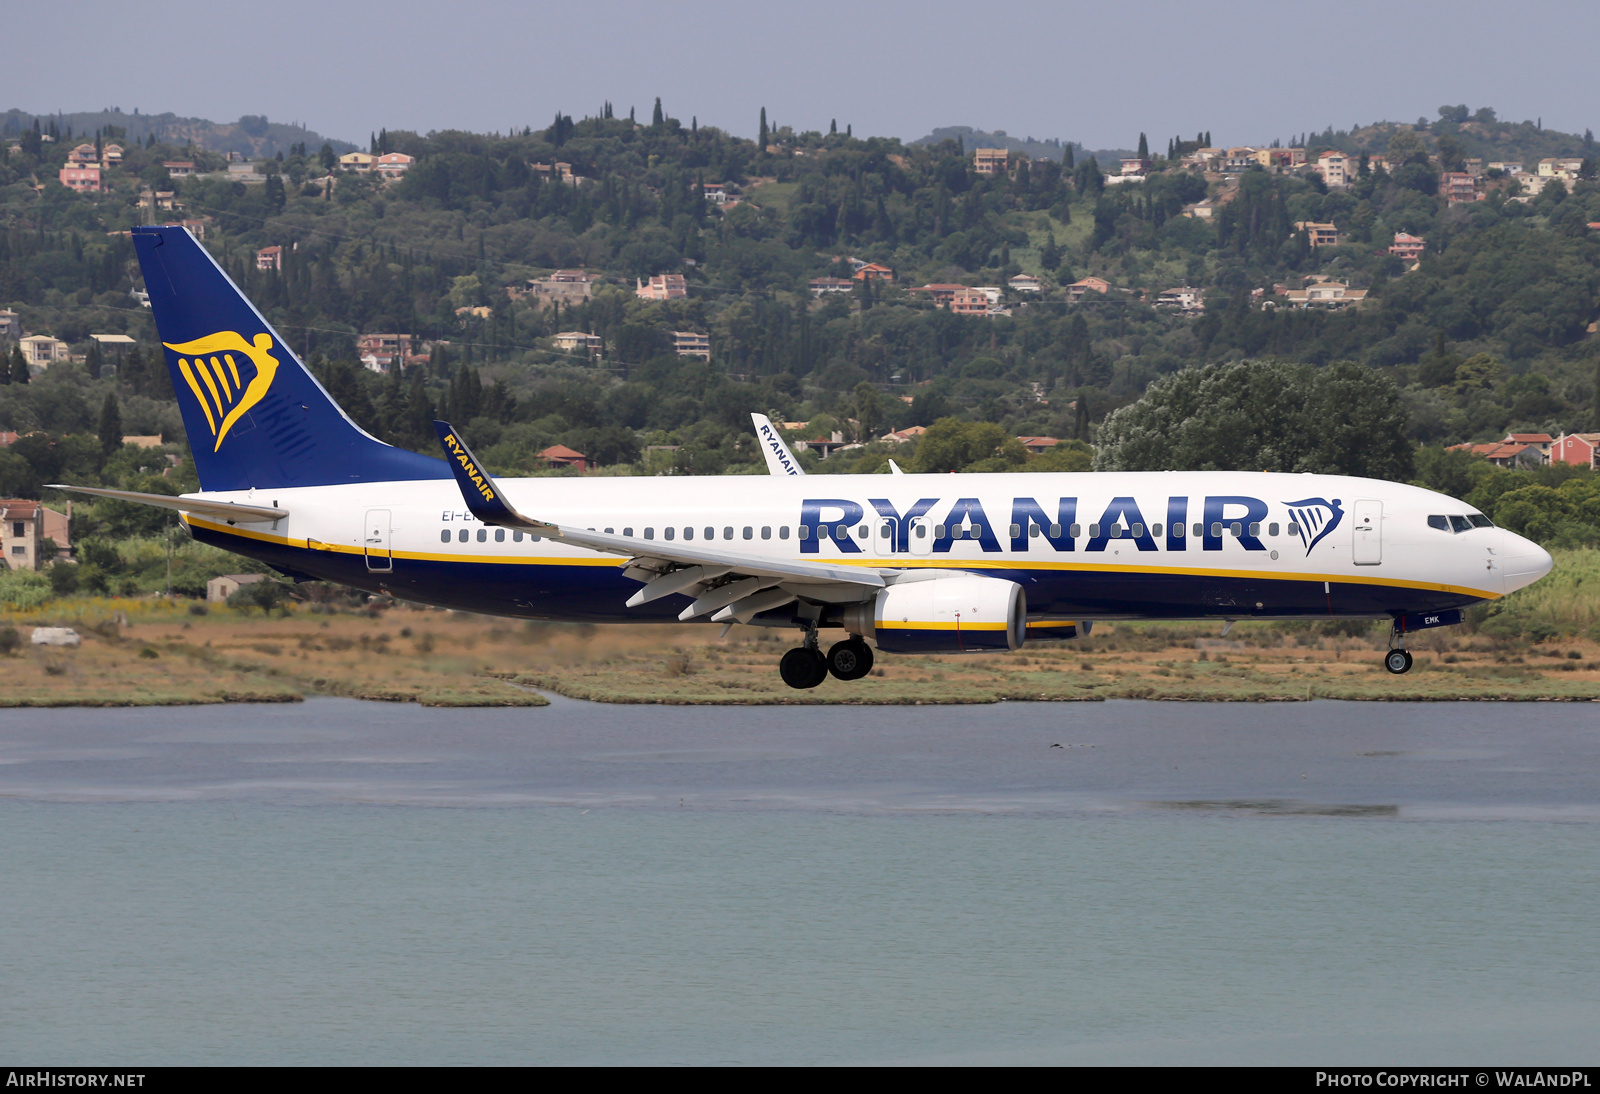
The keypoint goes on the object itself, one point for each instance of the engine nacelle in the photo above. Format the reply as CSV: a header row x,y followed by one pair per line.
x,y
961,613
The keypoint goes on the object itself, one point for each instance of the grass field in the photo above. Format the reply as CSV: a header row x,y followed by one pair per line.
x,y
1542,643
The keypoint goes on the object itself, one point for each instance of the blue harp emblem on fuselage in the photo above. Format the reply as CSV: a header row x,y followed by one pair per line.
x,y
211,366
1315,518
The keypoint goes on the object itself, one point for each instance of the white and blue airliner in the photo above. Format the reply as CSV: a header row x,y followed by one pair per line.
x,y
902,563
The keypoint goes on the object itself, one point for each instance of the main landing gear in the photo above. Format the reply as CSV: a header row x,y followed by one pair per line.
x,y
1398,659
805,666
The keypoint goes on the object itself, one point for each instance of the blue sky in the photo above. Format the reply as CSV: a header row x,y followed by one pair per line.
x,y
1098,73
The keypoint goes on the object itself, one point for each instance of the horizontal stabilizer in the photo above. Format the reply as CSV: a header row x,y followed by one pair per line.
x,y
229,511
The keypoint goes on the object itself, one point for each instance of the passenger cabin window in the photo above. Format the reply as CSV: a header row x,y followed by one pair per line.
x,y
1235,530
1094,531
688,533
1055,531
627,532
1157,529
499,535
610,531
1272,529
1216,529
1177,530
783,532
1138,531
711,533
1255,528
483,535
444,536
921,530
766,532
749,532
801,532
461,536
1200,530
649,533
516,537
1294,529
727,533
669,532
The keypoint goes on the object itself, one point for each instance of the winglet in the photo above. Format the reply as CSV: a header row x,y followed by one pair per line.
x,y
482,494
780,461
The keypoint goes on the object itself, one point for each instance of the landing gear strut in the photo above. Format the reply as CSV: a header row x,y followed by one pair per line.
x,y
1398,659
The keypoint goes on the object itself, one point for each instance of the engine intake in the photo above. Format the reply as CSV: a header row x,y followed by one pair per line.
x,y
957,614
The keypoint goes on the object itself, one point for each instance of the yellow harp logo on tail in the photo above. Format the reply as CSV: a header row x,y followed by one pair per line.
x,y
211,369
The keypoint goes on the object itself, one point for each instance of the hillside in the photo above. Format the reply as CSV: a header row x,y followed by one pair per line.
x,y
1491,329
252,135
1052,149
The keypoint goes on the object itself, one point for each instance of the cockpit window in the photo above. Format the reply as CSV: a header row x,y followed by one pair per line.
x,y
1456,524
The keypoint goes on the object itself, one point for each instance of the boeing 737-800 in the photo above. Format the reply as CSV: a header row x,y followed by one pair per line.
x,y
900,563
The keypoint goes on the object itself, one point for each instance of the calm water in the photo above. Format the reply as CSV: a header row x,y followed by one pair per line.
x,y
350,882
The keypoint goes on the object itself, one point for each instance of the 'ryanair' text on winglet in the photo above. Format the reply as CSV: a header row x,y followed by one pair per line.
x,y
482,494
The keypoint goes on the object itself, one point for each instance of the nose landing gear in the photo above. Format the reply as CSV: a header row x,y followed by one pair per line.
x,y
1398,659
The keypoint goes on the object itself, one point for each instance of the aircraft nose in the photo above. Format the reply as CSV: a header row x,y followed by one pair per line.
x,y
1525,562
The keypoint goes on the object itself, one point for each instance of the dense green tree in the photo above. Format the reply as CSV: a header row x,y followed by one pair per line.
x,y
1263,416
110,430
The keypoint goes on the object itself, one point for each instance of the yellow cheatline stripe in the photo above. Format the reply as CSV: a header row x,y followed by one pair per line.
x,y
1056,567
1052,623
915,625
194,386
900,563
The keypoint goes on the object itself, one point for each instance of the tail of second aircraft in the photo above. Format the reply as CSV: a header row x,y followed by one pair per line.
x,y
255,416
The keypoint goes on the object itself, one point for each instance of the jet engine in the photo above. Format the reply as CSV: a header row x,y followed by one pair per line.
x,y
955,613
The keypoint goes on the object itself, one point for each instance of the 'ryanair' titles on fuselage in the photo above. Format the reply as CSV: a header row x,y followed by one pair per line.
x,y
1221,516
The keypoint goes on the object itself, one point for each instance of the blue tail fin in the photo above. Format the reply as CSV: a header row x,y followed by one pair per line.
x,y
255,416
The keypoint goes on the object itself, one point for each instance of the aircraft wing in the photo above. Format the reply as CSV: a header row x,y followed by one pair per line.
x,y
731,584
780,461
228,511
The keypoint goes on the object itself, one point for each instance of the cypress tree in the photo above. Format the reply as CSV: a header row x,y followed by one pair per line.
x,y
19,367
92,360
1066,158
1144,147
657,118
761,140
110,425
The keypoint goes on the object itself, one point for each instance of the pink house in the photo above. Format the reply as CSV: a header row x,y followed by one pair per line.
x,y
1582,449
1408,247
85,180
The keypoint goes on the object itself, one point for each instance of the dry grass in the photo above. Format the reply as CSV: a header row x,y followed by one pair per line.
x,y
161,654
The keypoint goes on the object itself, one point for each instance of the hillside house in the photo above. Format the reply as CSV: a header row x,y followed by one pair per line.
x,y
83,156
218,589
562,285
1077,290
1024,283
820,285
381,352
1326,295
940,293
991,161
85,180
969,301
1136,165
179,169
559,455
689,343
1318,234
111,156
1540,442
715,193
662,287
24,526
1502,454
571,340
41,351
359,162
10,324
904,436
1038,446
873,271
269,258
1183,297
1407,247
1582,449
1459,186
1337,169
391,165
